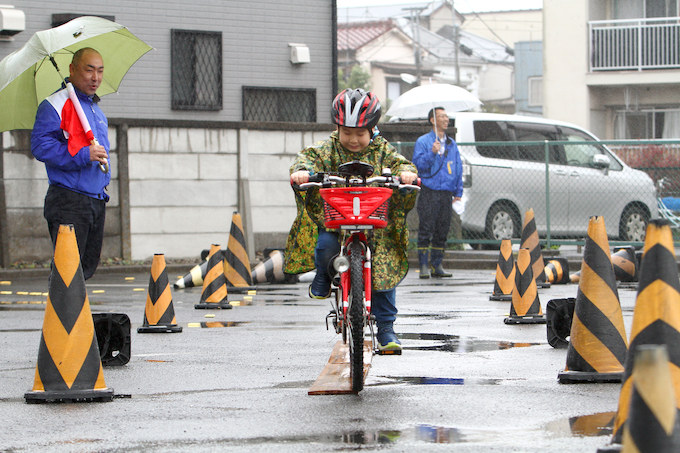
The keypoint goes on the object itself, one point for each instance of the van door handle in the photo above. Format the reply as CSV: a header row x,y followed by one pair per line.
x,y
560,172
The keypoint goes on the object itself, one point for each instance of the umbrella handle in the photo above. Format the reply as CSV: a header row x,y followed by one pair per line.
x,y
104,167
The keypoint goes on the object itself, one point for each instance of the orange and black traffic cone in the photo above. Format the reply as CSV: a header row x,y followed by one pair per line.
x,y
653,424
236,261
69,367
597,341
525,307
557,271
270,270
214,292
194,277
656,318
159,313
530,241
625,264
505,273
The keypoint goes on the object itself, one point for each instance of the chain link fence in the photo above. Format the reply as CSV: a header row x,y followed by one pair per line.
x,y
564,183
271,104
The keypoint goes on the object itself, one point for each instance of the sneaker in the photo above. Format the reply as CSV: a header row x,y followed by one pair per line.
x,y
387,340
320,287
316,296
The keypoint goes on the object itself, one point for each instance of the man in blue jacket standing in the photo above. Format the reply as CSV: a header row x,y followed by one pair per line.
x,y
439,166
76,194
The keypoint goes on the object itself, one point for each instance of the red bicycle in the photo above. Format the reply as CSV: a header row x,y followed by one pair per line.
x,y
356,208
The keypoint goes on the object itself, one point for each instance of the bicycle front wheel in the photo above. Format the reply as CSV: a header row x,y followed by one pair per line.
x,y
356,317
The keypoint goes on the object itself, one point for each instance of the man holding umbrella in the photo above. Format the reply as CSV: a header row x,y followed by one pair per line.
x,y
77,191
440,168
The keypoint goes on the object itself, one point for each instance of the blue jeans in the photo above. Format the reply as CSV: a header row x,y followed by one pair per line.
x,y
383,305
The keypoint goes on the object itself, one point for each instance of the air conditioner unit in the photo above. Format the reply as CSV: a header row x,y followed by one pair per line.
x,y
12,21
299,53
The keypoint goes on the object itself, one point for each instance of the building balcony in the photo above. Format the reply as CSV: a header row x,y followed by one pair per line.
x,y
634,44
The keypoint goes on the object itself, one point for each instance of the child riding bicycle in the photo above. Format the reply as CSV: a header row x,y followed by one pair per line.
x,y
310,245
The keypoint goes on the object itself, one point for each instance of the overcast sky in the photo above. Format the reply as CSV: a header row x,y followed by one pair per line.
x,y
462,6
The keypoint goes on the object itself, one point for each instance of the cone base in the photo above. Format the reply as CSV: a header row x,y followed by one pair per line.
x,y
501,297
543,284
611,448
224,305
69,396
533,319
586,377
170,328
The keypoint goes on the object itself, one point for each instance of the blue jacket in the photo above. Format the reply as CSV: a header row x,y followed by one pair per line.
x,y
49,145
439,172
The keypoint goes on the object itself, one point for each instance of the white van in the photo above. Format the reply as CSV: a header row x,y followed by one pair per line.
x,y
502,181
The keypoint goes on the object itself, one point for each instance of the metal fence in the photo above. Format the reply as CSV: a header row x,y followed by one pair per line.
x,y
564,183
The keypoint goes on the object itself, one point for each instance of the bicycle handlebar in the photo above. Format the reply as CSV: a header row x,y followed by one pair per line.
x,y
326,180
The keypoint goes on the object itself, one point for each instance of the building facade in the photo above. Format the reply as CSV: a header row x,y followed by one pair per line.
x,y
613,66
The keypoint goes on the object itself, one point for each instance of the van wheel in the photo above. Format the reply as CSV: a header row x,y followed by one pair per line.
x,y
502,222
633,225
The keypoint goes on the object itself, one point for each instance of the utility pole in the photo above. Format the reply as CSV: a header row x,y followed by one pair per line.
x,y
456,42
415,26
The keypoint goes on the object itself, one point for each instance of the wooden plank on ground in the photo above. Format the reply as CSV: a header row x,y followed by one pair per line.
x,y
334,378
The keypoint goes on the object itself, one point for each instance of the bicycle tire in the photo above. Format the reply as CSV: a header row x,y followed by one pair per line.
x,y
356,317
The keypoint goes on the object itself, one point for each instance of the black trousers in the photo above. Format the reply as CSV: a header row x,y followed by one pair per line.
x,y
86,214
434,218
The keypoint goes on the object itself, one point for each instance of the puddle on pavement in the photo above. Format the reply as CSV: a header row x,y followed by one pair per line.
x,y
589,425
592,425
456,343
434,316
424,380
213,324
20,330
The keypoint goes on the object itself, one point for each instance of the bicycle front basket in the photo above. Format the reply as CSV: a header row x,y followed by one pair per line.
x,y
355,206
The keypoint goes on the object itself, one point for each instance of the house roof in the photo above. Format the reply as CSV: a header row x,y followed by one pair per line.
x,y
474,47
352,36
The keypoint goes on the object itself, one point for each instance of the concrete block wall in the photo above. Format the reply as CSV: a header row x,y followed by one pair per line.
x,y
181,185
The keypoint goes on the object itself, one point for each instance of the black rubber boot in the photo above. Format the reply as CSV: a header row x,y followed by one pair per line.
x,y
436,269
423,256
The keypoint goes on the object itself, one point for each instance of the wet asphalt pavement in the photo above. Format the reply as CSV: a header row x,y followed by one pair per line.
x,y
465,378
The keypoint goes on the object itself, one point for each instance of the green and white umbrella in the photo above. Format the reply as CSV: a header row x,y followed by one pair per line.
x,y
27,76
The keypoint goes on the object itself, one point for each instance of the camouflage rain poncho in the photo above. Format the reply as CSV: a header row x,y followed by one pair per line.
x,y
389,245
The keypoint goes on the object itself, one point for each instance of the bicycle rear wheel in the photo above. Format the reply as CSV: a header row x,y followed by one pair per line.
x,y
356,317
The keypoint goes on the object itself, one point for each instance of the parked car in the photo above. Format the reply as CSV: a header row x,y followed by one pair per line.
x,y
503,180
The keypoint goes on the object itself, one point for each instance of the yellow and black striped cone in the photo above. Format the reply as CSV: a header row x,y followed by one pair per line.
x,y
505,273
69,367
653,424
656,318
525,307
625,264
270,270
597,340
236,261
214,292
557,271
530,241
194,277
159,313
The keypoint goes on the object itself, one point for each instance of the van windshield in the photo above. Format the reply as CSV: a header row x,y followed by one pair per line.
x,y
581,155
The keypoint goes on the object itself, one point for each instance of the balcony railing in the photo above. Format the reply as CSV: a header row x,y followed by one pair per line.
x,y
634,44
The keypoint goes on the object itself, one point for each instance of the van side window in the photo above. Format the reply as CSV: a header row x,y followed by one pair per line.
x,y
493,131
526,132
581,155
